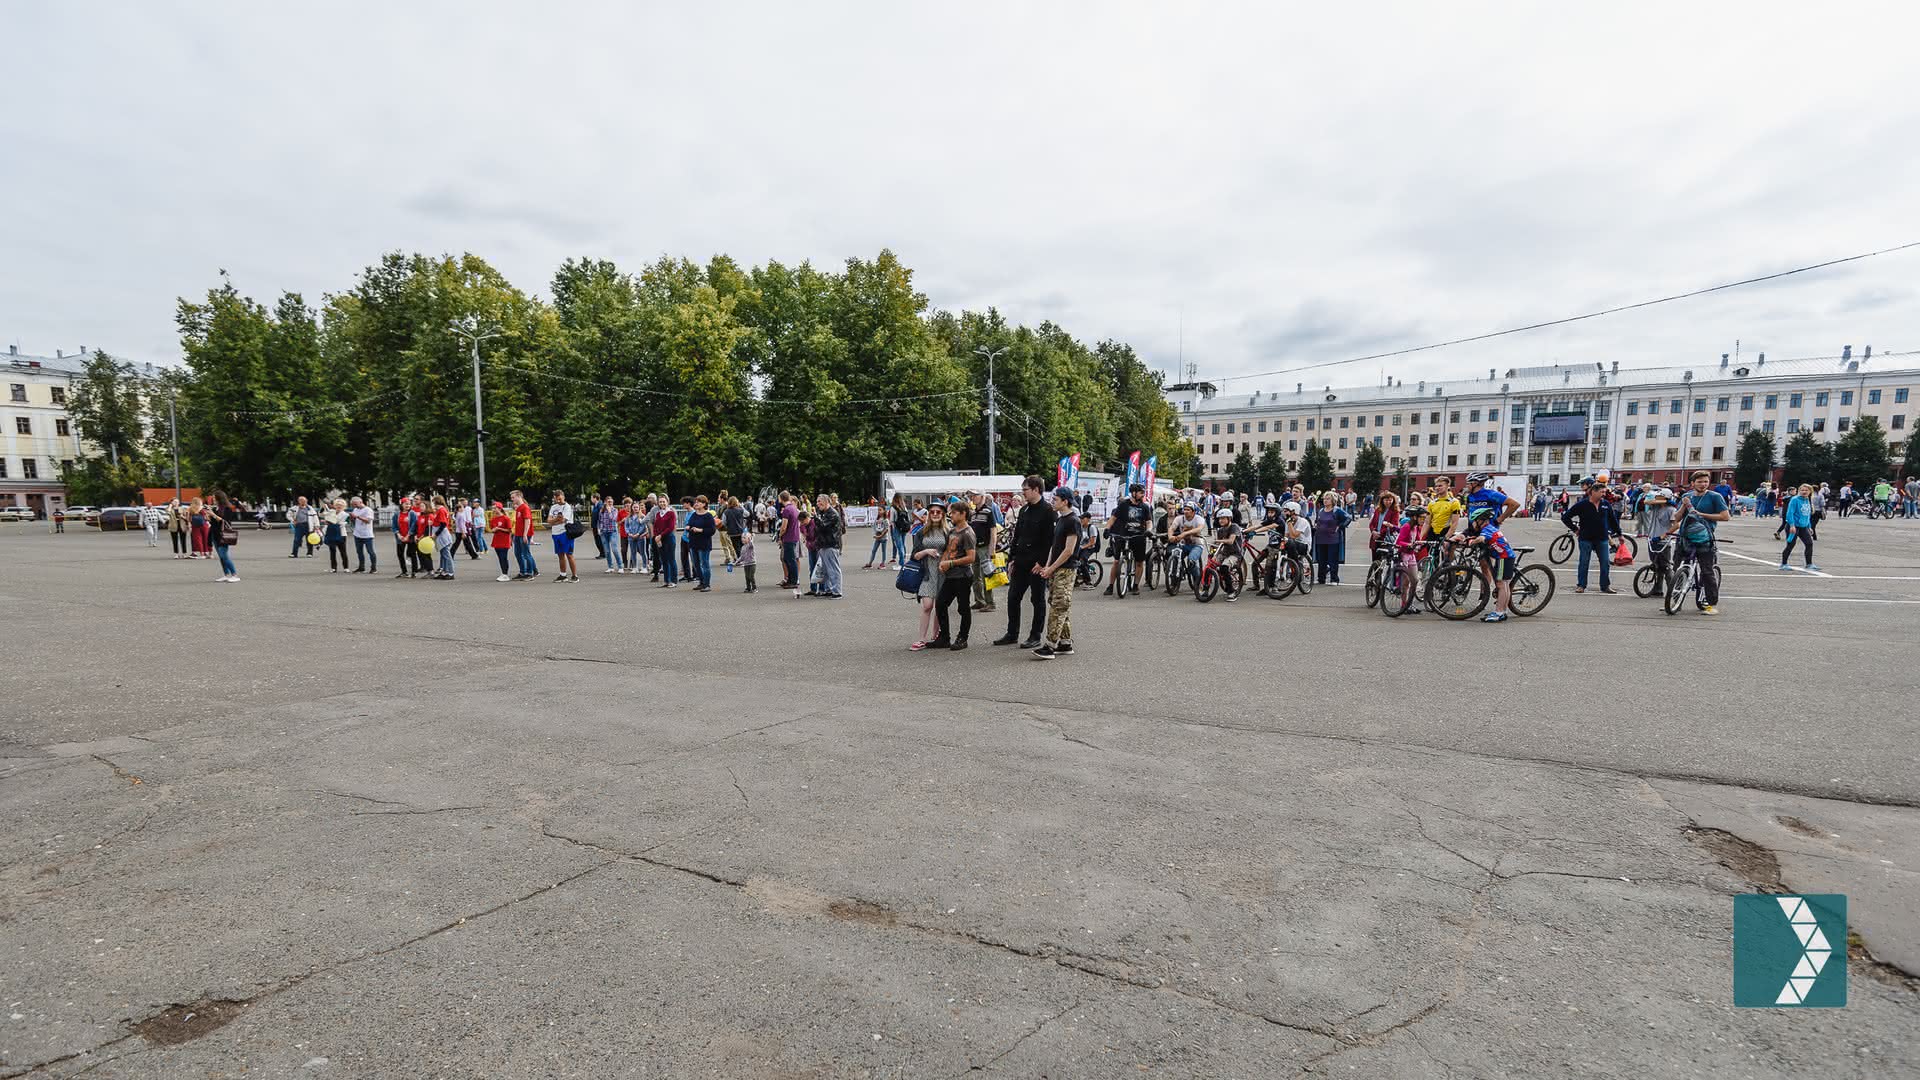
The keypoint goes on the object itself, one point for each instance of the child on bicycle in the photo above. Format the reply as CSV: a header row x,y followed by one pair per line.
x,y
1406,548
1497,558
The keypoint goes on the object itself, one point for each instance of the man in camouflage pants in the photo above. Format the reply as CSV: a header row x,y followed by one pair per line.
x,y
1059,571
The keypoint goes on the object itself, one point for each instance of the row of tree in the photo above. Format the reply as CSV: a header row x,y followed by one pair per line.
x,y
679,377
1862,456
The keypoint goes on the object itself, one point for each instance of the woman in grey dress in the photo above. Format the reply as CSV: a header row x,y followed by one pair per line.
x,y
928,544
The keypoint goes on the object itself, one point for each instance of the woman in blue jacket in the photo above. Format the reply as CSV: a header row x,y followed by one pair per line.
x,y
1799,525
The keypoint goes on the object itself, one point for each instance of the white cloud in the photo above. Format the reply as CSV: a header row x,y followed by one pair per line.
x,y
1303,185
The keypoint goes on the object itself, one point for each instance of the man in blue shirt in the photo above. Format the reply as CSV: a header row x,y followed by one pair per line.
x,y
1700,511
1492,498
1724,489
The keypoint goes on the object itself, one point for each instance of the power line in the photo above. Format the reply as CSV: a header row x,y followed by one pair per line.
x,y
1577,318
647,392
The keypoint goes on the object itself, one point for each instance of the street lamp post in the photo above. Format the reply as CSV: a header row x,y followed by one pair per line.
x,y
173,433
473,332
993,406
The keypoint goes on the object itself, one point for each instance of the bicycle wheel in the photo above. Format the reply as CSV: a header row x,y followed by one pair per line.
x,y
1230,579
1561,549
1645,580
1122,575
1209,584
1151,570
1304,578
1285,576
1457,592
1394,600
1532,590
1170,579
1374,585
1678,582
1700,595
1094,573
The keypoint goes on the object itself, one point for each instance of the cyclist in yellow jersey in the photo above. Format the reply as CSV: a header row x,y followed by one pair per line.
x,y
1441,506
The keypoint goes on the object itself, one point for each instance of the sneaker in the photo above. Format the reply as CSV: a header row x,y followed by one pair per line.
x,y
1232,598
1044,652
670,585
1609,592
1495,616
503,577
572,579
1709,610
1784,566
1063,649
1005,639
1030,643
559,577
958,645
1579,588
1813,567
833,596
610,570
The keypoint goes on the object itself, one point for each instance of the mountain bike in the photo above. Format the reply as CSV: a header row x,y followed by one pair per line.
x,y
1217,575
1531,588
1123,568
1088,574
1684,578
1564,545
1457,588
1397,586
1647,580
1290,572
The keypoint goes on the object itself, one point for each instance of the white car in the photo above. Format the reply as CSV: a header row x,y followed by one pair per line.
x,y
16,513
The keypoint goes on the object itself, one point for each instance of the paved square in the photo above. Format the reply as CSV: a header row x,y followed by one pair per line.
x,y
325,825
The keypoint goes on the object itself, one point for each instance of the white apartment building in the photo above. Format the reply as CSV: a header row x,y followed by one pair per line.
x,y
1658,422
38,441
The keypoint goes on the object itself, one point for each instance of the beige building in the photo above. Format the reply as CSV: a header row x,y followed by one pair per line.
x,y
1558,423
38,441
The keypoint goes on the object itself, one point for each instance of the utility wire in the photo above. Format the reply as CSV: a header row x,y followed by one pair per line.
x,y
1576,318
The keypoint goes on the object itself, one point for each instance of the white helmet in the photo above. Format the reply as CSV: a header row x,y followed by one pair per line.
x,y
1291,507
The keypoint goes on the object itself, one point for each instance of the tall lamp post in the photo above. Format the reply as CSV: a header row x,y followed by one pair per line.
x,y
993,404
472,331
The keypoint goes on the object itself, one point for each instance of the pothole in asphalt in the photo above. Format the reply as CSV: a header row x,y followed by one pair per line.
x,y
860,911
1745,858
185,1023
1794,824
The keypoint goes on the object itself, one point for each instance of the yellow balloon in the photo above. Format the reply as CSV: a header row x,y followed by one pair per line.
x,y
313,538
426,545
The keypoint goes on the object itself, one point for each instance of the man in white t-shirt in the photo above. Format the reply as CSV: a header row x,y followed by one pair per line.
x,y
362,517
559,516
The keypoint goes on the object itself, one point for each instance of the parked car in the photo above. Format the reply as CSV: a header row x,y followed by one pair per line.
x,y
17,513
116,519
82,513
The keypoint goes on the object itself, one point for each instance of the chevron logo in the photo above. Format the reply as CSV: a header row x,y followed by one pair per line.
x,y
1784,953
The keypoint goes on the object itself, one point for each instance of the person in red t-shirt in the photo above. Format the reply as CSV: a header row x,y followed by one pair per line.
x,y
403,536
500,528
440,527
523,537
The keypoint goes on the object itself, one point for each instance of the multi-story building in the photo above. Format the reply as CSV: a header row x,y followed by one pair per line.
x,y
38,441
1658,422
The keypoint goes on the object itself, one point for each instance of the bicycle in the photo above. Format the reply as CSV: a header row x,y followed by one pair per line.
x,y
1088,574
1564,545
1123,568
1531,589
1217,576
1457,588
1648,579
1288,573
1396,585
1685,577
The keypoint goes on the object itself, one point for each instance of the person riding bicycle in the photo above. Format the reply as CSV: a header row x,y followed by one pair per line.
x,y
1227,533
1184,534
1657,511
1497,557
1128,529
1299,532
1406,547
1700,511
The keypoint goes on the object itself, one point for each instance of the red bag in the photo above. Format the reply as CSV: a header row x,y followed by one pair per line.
x,y
1623,555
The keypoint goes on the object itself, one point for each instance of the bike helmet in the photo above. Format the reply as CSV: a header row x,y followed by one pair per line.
x,y
1223,512
1291,507
1480,513
1478,478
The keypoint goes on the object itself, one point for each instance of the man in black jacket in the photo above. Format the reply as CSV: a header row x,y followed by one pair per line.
x,y
1032,533
1593,521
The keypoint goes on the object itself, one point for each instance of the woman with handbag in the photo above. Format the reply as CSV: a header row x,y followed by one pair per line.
x,y
221,515
928,545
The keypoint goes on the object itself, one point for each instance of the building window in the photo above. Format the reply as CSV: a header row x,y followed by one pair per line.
x,y
1263,426
23,425
1184,431
1215,467
1673,431
1845,422
1515,435
1819,423
1675,405
1673,455
3,468
1263,444
59,395
1377,440
1452,460
1699,404
1633,408
1244,448
1396,419
1396,440
1326,444
1900,396
1745,426
1793,400
1380,420
1293,425
1820,398
1793,426
66,466
1343,421
1433,439
1577,456
1723,404
1899,421
1229,428
1360,422
1536,456
1766,426
1309,423
1599,434
1746,402
1556,455
1602,410
60,425
1293,444
1632,431
1473,438
1343,442
1341,464
1453,438
1773,401
1560,406
1846,397
1432,461
1473,459
1216,448
1720,428
1474,416
29,469
1216,429
1435,418
1873,397
1693,454
1719,453
19,392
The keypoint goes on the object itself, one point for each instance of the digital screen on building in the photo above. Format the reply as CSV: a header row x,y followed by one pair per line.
x,y
1552,428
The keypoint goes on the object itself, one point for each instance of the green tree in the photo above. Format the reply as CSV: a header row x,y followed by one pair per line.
x,y
1402,481
107,406
1316,468
1806,460
1273,469
1369,468
1753,462
1911,465
1862,455
1242,475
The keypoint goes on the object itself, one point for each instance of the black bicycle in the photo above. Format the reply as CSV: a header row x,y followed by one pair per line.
x,y
1684,578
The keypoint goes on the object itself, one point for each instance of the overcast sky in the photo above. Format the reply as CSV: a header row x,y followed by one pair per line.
x,y
1296,186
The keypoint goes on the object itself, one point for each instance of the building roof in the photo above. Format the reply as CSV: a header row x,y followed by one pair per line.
x,y
44,365
1556,378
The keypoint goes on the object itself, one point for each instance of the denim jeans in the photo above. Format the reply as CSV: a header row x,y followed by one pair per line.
x,y
611,550
226,560
826,571
363,554
900,549
790,561
523,557
664,560
1588,548
299,538
703,566
878,551
443,549
633,553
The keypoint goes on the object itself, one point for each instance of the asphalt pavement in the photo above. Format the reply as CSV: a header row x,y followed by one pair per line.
x,y
331,825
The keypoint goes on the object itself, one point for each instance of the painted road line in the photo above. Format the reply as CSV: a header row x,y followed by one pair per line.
x,y
1765,562
1775,576
1823,599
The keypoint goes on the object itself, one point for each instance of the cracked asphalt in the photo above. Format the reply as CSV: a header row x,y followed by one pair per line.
x,y
319,825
